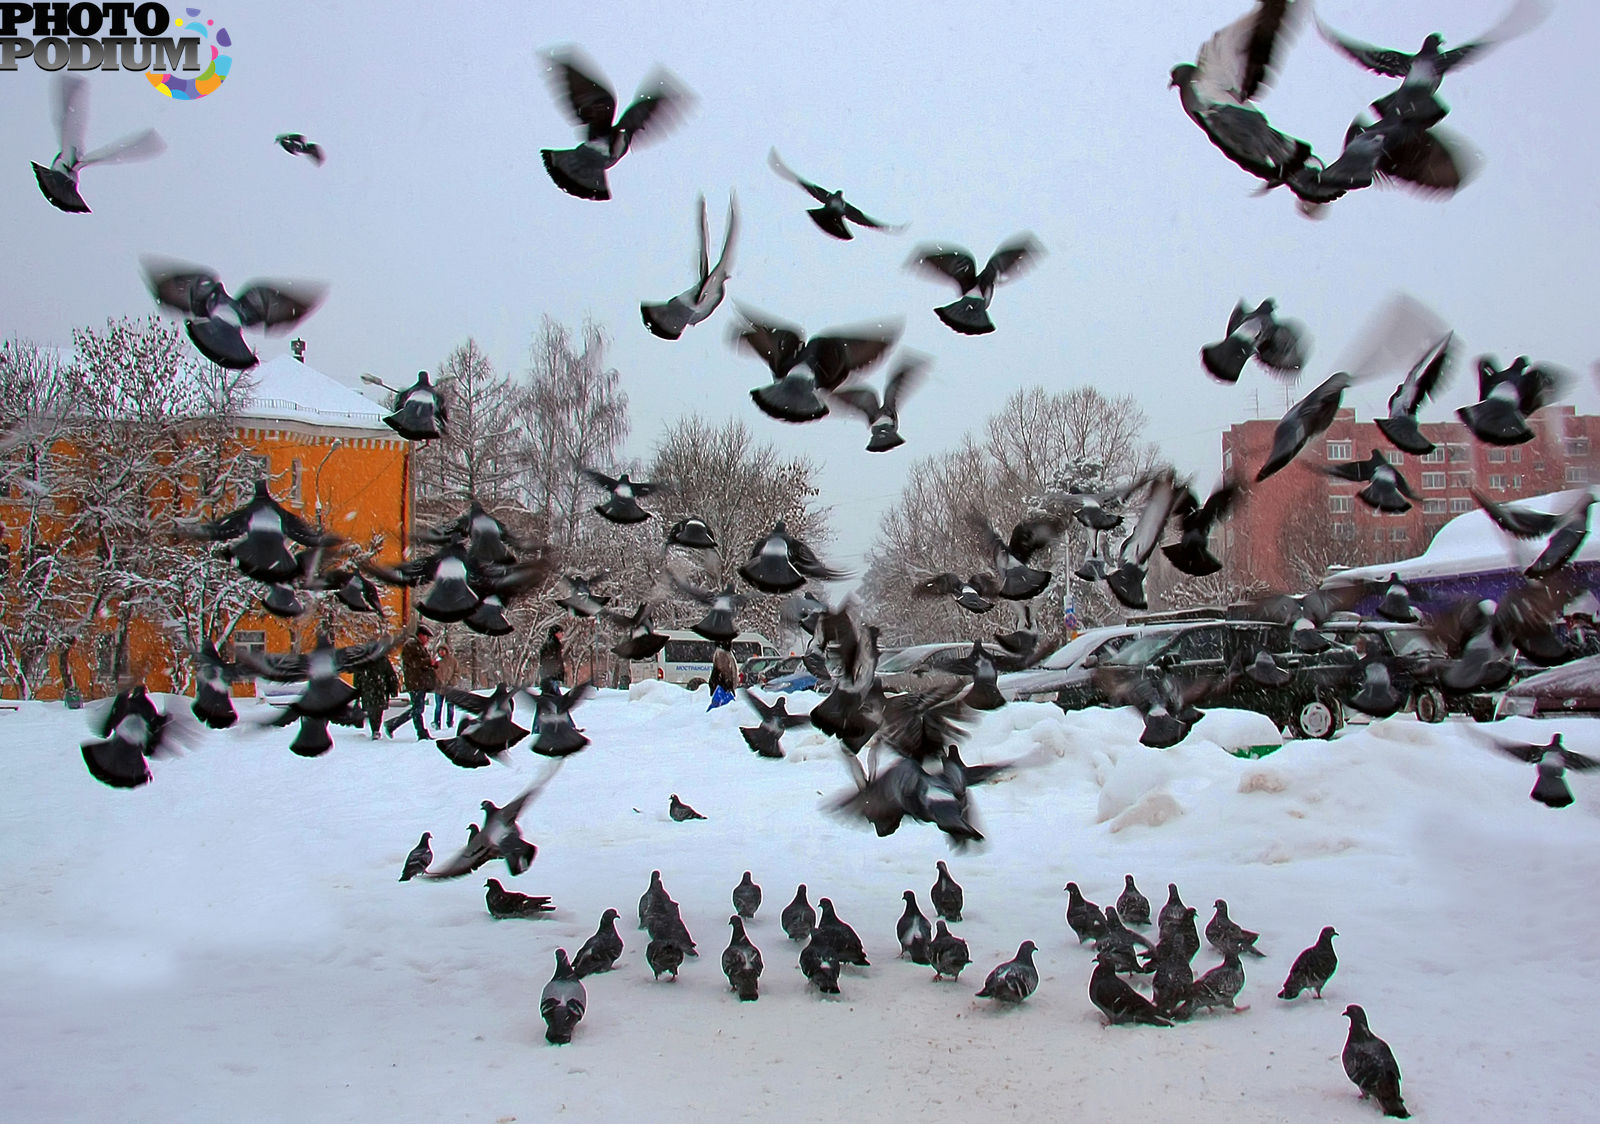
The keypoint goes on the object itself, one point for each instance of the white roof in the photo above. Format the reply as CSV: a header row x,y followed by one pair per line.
x,y
285,389
1472,544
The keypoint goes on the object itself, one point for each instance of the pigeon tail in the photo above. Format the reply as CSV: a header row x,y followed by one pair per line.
x,y
1404,434
830,223
667,320
791,399
969,316
1496,422
61,190
1226,360
1191,558
221,342
578,171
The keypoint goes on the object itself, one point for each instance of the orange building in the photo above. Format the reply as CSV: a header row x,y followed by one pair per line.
x,y
330,459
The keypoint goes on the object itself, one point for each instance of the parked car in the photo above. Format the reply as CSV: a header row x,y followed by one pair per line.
x,y
1071,664
1572,688
760,669
920,665
1416,652
797,680
686,658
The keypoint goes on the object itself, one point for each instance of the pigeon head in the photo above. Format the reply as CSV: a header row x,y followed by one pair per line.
x,y
608,916
1356,1015
1328,933
1071,888
1182,74
908,897
494,884
1026,949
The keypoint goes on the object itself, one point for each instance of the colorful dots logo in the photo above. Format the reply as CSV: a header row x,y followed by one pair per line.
x,y
193,89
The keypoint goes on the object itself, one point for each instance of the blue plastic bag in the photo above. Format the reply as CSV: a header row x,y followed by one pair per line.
x,y
720,697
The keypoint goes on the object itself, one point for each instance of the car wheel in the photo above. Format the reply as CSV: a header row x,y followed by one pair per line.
x,y
694,684
1316,717
1430,705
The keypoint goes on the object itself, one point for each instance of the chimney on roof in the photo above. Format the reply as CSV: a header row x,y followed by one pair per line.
x,y
298,347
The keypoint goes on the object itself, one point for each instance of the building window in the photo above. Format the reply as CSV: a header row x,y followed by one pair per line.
x,y
1459,453
1339,450
1577,446
1458,504
1398,534
1395,457
1344,530
1435,457
1496,456
1227,460
1341,503
248,641
1516,456
1516,481
1577,474
1497,481
1433,480
1461,479
1434,507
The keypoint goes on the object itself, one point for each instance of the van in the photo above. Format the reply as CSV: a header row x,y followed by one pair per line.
x,y
686,657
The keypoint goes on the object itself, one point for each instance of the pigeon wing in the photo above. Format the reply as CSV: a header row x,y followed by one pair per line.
x,y
127,150
1013,258
1425,376
278,305
657,108
949,262
1517,521
596,477
835,358
590,102
907,377
820,194
777,343
1379,60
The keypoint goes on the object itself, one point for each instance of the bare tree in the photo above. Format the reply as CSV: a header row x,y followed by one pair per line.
x,y
477,458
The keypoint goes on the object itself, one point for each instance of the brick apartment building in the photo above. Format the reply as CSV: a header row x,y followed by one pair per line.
x,y
1299,521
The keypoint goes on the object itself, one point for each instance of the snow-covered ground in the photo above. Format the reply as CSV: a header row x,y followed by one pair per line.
x,y
231,942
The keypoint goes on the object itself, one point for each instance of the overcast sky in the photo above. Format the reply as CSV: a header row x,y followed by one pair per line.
x,y
433,218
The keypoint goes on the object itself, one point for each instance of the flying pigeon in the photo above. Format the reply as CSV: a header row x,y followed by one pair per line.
x,y
1425,376
130,730
1402,147
418,859
499,836
691,533
1083,916
1378,695
1386,489
599,953
838,936
775,719
581,171
556,735
1126,580
781,563
1191,554
506,904
969,315
741,962
622,505
258,535
820,964
975,593
1014,980
1394,604
213,700
802,367
1018,580
883,415
696,304
562,1002
664,955
420,412
1116,999
717,625
1132,906
798,918
1308,417
1278,345
1217,988
1227,936
946,894
853,709
1313,967
830,217
984,693
746,897
1566,529
643,641
295,144
1508,396
680,811
913,931
59,182
579,598
215,321
490,731
947,953
1370,1065
484,537
1553,760
325,695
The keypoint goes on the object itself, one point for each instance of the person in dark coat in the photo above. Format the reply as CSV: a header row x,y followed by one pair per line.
x,y
551,663
724,677
375,682
416,664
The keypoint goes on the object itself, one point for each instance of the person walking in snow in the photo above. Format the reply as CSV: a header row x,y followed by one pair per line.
x,y
416,664
375,683
551,663
446,670
724,677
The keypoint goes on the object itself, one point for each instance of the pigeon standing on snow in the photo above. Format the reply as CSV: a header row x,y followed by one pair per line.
x,y
830,217
1553,761
1116,999
1015,980
1277,345
913,930
741,962
664,955
1172,912
581,171
622,505
1227,936
419,858
504,903
1370,1065
820,964
1133,906
695,305
1313,967
652,899
1217,988
1083,916
841,937
1172,979
295,144
59,182
562,1002
600,952
969,314
680,811
746,897
798,918
946,894
947,953
1184,934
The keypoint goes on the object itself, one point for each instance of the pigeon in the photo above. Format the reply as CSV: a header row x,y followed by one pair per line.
x,y
622,506
1386,489
1313,967
1133,906
691,533
798,918
1083,916
969,315
1308,417
775,719
1370,1065
484,537
1192,553
1279,346
1229,70
419,412
555,733
820,964
359,595
679,811
781,563
746,897
562,1002
213,700
1267,671
499,836
802,367
1172,979
653,899
1425,376
946,894
504,904
668,319
1118,931
1226,936
599,953
326,694
830,217
1119,944
904,788
59,182
883,415
664,955
215,320
581,171
130,730
490,731
913,930
741,962
1566,529
258,536
1126,581
1377,695
418,859
839,936
1184,935
579,598
666,923
1394,603
1116,999
1018,581
459,584
1217,988
1552,760
947,953
718,625
974,593
1014,980
295,144
1173,912
1507,397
